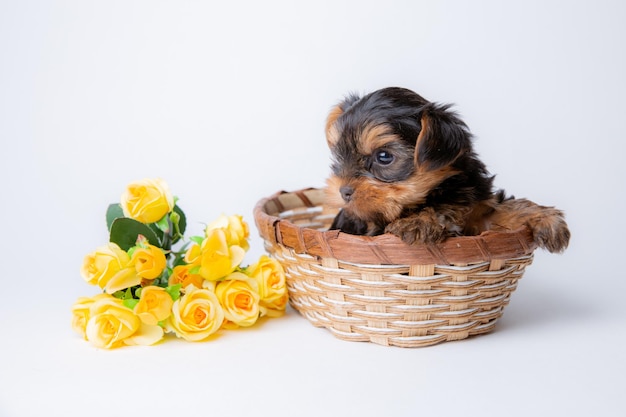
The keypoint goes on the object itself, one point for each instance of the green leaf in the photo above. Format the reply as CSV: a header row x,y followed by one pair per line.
x,y
195,270
197,239
131,303
124,232
164,224
128,295
114,211
174,291
158,232
181,224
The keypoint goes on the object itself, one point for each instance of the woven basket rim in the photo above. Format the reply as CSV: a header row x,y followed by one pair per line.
x,y
385,249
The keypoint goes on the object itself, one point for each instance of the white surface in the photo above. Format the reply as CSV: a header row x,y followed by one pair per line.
x,y
227,103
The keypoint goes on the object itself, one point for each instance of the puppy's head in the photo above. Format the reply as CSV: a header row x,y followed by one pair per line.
x,y
390,150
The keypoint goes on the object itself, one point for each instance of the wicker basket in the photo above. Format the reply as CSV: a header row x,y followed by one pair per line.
x,y
379,289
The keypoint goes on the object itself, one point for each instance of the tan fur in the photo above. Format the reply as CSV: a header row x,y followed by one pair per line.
x,y
547,223
372,198
422,135
332,134
428,225
374,137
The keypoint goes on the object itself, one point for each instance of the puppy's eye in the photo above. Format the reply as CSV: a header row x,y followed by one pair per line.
x,y
384,157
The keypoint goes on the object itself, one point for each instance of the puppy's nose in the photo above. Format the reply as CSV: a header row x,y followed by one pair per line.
x,y
346,193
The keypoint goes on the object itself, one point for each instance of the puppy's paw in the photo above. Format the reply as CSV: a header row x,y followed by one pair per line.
x,y
349,224
417,229
550,231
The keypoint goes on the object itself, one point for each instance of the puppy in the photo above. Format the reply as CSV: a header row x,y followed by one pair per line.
x,y
406,166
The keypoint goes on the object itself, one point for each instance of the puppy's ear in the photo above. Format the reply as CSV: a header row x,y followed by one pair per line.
x,y
333,132
442,139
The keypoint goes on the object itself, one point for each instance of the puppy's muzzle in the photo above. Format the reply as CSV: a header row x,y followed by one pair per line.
x,y
346,193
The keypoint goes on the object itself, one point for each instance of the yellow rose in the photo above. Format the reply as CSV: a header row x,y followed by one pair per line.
x,y
149,261
196,315
181,275
126,278
215,257
147,201
80,313
270,277
154,305
193,256
239,299
274,308
109,268
111,324
234,227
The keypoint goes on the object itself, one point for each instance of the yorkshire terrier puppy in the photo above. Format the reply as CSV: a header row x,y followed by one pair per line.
x,y
406,166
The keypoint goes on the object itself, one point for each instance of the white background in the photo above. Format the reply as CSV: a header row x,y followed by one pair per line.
x,y
226,101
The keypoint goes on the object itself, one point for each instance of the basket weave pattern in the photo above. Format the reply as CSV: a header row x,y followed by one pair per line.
x,y
379,289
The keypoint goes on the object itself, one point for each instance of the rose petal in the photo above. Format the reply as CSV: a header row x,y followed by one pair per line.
x,y
125,278
146,335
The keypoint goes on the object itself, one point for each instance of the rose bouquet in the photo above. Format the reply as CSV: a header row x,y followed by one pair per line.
x,y
150,288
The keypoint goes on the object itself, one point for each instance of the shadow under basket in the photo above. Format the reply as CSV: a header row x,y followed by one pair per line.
x,y
381,290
